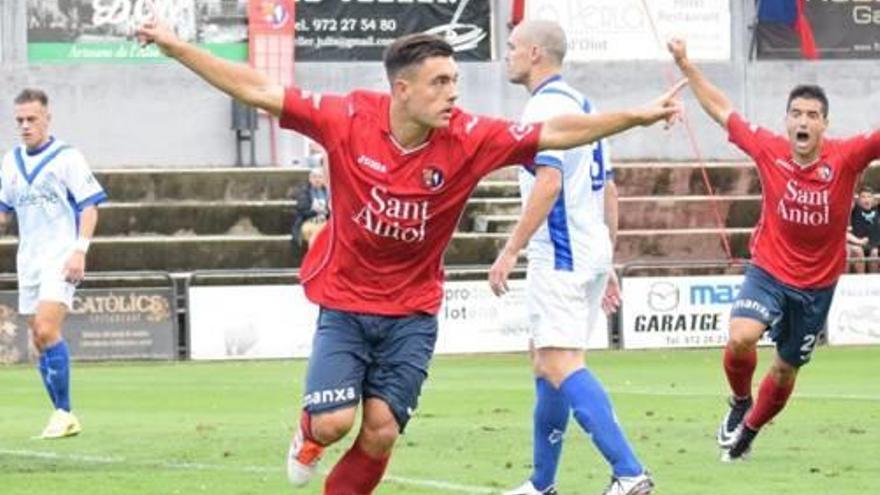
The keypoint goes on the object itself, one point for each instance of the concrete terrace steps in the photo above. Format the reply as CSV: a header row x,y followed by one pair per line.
x,y
269,217
185,220
208,184
638,212
202,252
681,179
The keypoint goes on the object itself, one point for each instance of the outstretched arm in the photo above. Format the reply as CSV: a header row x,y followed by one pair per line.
x,y
712,99
237,80
569,131
548,184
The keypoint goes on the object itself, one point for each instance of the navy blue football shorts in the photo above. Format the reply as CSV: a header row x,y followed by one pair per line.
x,y
795,317
358,355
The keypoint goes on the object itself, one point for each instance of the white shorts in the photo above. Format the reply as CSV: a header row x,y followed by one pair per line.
x,y
563,307
48,290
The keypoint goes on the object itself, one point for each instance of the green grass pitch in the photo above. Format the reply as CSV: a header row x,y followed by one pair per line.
x,y
223,428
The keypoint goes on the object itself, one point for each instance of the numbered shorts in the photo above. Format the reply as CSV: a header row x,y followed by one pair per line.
x,y
563,307
795,317
50,289
357,355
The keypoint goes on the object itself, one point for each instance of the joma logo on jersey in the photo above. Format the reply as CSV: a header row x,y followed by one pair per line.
x,y
372,164
388,216
330,396
803,206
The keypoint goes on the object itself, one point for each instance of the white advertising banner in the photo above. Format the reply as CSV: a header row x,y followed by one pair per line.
x,y
277,321
472,319
250,322
638,29
854,318
661,312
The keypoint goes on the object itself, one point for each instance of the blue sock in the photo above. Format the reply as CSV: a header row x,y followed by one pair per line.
x,y
550,420
44,374
57,375
593,411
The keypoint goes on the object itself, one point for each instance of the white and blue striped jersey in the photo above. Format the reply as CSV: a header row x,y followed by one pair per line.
x,y
574,237
47,188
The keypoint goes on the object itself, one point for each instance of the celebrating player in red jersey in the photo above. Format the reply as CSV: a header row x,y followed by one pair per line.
x,y
401,169
798,247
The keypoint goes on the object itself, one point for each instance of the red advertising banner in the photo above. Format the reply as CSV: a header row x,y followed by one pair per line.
x,y
271,32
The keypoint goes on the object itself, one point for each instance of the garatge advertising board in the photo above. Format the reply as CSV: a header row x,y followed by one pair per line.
x,y
104,324
77,31
854,318
277,321
638,29
343,30
661,312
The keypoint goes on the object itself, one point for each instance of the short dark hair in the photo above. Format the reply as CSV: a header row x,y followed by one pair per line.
x,y
865,189
809,92
28,95
413,49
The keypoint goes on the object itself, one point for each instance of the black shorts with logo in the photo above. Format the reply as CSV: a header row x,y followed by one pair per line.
x,y
795,317
358,355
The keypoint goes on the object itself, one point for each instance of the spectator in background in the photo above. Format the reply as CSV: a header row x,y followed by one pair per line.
x,y
312,210
863,237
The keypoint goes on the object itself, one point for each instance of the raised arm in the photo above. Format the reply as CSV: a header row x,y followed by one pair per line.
x,y
237,80
569,131
712,99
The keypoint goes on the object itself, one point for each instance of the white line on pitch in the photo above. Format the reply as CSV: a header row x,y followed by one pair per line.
x,y
198,466
680,393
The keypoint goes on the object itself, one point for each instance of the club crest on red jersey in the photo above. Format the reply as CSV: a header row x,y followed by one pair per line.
x,y
520,130
432,178
825,172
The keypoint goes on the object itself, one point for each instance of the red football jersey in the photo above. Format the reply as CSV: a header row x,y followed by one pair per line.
x,y
393,211
801,236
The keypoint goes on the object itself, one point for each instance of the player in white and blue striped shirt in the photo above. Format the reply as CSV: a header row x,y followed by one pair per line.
x,y
565,193
49,187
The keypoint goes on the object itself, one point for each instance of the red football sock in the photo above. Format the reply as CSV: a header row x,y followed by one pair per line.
x,y
771,399
739,371
355,474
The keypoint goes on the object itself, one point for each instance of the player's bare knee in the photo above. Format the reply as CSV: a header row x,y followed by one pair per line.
x,y
378,437
44,332
554,365
742,341
330,427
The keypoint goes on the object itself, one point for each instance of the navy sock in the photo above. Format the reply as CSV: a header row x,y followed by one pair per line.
x,y
593,411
